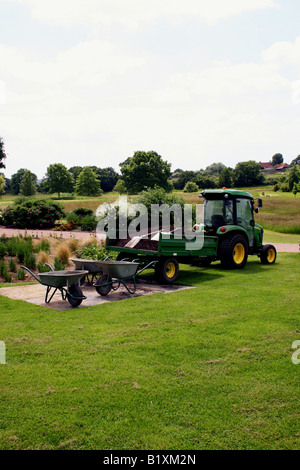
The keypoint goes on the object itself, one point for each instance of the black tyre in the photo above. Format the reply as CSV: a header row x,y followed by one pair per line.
x,y
166,270
102,286
268,254
74,295
234,252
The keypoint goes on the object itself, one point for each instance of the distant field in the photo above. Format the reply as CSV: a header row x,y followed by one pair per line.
x,y
280,212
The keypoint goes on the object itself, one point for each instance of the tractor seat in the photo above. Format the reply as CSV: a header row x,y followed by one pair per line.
x,y
217,220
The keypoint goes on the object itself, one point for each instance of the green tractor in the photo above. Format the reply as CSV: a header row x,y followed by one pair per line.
x,y
229,215
229,234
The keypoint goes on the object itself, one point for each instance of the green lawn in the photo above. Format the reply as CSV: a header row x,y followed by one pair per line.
x,y
206,368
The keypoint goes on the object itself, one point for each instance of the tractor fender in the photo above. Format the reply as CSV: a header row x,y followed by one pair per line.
x,y
230,230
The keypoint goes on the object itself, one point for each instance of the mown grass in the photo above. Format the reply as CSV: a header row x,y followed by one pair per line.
x,y
205,368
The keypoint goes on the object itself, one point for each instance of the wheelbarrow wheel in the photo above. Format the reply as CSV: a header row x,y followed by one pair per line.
x,y
74,295
102,284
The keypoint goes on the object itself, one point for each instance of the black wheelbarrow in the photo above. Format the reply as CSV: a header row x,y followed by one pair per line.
x,y
117,273
67,282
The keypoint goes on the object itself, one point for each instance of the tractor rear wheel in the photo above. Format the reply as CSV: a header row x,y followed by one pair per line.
x,y
234,252
268,254
166,270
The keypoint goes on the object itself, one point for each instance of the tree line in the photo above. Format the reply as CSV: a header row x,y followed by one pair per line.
x,y
142,171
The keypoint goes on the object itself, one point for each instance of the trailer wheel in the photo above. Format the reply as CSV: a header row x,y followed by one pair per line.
x,y
75,291
268,254
166,270
101,284
234,252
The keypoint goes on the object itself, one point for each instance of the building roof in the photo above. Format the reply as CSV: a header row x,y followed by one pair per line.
x,y
266,164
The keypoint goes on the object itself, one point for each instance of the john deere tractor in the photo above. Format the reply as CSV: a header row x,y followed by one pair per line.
x,y
229,216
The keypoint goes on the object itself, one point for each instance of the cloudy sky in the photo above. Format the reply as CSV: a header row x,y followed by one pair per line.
x,y
89,82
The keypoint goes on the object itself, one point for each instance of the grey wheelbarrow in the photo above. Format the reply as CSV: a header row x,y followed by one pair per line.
x,y
67,282
93,266
117,273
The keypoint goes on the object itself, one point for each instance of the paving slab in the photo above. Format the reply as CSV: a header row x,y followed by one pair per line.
x,y
35,294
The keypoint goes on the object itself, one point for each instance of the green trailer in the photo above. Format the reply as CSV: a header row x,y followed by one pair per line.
x,y
228,233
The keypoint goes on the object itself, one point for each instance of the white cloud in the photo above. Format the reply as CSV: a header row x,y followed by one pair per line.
x,y
87,64
223,80
2,92
283,52
133,13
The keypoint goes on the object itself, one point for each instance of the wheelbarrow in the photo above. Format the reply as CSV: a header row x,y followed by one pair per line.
x,y
117,273
92,266
67,282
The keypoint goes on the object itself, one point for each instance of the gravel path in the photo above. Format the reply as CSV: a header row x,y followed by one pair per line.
x,y
11,232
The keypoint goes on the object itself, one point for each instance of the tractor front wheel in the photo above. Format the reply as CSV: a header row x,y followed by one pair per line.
x,y
166,270
234,252
268,254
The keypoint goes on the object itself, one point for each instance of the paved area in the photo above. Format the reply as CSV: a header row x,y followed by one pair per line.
x,y
35,294
14,232
287,247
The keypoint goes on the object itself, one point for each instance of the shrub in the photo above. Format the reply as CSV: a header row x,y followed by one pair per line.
x,y
42,268
43,257
33,214
59,265
21,274
7,277
191,187
29,261
94,251
12,265
43,245
63,253
2,250
82,211
73,244
3,268
88,223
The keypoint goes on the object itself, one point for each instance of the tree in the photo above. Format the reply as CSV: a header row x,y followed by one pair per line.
x,y
295,189
183,178
225,179
293,176
28,185
120,187
16,179
205,181
87,183
2,153
277,159
215,169
59,179
247,174
75,171
108,178
296,161
145,170
2,185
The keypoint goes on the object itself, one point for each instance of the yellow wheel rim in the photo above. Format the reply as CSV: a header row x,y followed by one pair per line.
x,y
271,255
239,253
171,270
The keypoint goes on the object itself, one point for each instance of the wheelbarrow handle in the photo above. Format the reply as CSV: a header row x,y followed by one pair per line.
x,y
51,267
30,272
